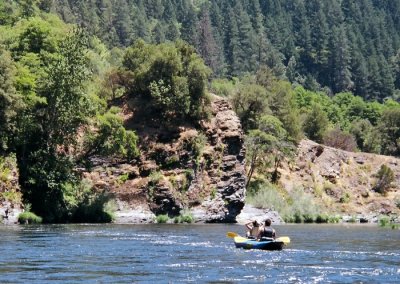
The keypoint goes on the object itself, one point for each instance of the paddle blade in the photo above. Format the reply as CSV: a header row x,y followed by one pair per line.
x,y
231,235
285,240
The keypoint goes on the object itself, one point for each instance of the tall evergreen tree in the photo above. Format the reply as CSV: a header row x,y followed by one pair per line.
x,y
340,61
206,45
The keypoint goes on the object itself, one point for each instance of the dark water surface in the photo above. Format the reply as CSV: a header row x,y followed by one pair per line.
x,y
195,253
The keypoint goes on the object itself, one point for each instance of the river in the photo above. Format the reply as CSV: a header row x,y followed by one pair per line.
x,y
196,253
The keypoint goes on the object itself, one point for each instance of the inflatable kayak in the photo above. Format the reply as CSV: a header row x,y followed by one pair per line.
x,y
246,243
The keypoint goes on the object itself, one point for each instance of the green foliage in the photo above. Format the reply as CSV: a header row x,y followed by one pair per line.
x,y
123,178
9,99
385,177
171,78
322,218
345,198
184,217
294,207
384,221
267,146
389,127
334,219
161,219
29,218
155,177
195,144
316,44
315,124
85,204
250,102
111,139
223,87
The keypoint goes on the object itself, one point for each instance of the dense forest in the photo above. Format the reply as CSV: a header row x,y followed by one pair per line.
x,y
329,71
336,46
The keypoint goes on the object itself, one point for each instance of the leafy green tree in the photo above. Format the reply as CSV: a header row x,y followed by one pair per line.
x,y
171,77
111,138
316,123
44,162
361,129
266,147
250,102
9,99
283,106
389,127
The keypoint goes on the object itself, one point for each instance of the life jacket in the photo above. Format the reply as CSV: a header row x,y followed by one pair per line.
x,y
268,232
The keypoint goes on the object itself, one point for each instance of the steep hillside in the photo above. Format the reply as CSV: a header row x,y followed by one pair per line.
x,y
340,44
343,181
181,170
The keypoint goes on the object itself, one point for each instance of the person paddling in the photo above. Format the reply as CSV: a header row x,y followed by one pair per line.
x,y
253,229
267,233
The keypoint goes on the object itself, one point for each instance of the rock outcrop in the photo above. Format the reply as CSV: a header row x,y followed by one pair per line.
x,y
343,181
196,170
10,193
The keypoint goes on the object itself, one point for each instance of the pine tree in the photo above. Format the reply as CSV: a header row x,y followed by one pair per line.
x,y
206,45
123,24
231,44
340,61
247,51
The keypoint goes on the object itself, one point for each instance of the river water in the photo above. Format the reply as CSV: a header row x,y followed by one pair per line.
x,y
196,253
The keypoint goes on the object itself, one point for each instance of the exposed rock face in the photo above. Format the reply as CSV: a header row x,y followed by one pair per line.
x,y
343,181
227,174
250,213
10,194
200,171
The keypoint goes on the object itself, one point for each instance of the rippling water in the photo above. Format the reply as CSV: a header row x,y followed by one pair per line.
x,y
195,253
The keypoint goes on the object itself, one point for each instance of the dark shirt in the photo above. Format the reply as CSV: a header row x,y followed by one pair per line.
x,y
268,233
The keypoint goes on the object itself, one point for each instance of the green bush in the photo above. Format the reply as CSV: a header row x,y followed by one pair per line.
x,y
223,87
187,218
86,205
309,218
345,198
298,218
161,219
385,177
297,207
29,218
334,219
384,221
123,178
322,218
155,177
184,217
195,144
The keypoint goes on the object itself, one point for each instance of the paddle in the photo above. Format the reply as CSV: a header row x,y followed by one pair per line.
x,y
285,240
232,235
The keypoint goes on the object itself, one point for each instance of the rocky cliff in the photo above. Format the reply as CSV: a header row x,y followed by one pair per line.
x,y
196,170
343,181
10,193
